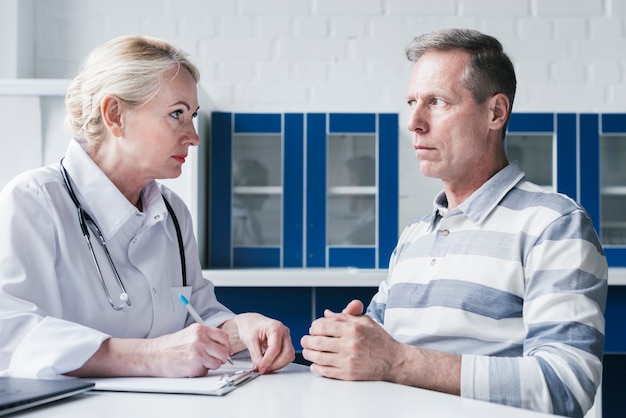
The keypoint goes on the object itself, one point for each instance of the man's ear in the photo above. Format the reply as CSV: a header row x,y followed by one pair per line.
x,y
111,107
499,107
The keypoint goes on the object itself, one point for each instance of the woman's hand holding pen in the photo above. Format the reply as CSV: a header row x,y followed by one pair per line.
x,y
190,352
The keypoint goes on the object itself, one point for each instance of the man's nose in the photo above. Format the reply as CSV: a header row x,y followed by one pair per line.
x,y
417,120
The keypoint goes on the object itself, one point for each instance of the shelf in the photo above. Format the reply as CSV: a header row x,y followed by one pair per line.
x,y
614,191
353,190
617,276
321,277
613,225
255,190
296,277
33,87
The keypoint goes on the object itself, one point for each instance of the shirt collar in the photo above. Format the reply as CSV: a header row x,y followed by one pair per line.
x,y
101,198
484,200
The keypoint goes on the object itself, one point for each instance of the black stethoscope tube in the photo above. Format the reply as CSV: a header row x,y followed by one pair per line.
x,y
85,221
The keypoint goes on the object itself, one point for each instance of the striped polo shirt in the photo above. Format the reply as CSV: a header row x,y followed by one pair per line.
x,y
515,280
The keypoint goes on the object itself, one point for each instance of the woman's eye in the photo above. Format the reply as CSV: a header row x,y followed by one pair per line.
x,y
176,114
195,115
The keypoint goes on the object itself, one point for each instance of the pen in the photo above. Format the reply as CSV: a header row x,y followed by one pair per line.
x,y
194,315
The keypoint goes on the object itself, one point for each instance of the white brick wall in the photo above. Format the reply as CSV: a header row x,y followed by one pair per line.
x,y
348,55
561,8
269,43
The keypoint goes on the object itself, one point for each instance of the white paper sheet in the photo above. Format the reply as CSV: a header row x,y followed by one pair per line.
x,y
216,382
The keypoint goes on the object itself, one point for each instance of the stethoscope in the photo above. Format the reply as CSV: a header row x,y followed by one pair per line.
x,y
87,223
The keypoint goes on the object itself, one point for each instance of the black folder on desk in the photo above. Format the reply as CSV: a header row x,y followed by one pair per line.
x,y
17,394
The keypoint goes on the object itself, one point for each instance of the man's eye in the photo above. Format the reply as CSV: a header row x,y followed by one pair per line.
x,y
437,102
411,103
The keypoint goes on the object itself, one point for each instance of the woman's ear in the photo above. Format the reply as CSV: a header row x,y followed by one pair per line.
x,y
500,108
111,108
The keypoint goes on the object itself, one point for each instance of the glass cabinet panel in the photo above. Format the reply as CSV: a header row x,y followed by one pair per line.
x,y
535,155
247,190
257,190
613,189
602,173
352,190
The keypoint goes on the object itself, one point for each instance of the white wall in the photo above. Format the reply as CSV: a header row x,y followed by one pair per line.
x,y
347,55
17,34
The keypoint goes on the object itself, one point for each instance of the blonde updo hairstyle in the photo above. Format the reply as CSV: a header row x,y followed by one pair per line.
x,y
133,68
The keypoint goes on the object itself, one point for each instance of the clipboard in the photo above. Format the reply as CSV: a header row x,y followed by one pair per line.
x,y
216,383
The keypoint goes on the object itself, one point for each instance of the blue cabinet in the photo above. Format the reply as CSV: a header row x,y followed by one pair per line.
x,y
603,189
302,190
286,189
584,157
545,146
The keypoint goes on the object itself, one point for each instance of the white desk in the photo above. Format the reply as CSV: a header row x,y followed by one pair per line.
x,y
293,392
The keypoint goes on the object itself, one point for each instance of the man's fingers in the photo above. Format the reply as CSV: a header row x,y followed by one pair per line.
x,y
354,308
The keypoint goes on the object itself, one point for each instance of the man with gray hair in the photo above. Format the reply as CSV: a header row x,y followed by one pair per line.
x,y
499,293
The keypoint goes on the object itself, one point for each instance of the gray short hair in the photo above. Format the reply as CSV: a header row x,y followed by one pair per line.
x,y
490,71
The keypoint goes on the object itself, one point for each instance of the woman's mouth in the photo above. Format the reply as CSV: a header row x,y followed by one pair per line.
x,y
180,158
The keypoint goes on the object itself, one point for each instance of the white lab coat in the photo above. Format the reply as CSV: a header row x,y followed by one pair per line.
x,y
53,311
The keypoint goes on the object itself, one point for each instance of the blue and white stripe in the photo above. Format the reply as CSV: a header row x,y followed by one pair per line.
x,y
515,280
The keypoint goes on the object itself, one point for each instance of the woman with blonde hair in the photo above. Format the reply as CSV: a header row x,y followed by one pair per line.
x,y
95,253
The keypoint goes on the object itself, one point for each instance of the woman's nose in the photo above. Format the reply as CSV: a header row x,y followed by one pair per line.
x,y
193,137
